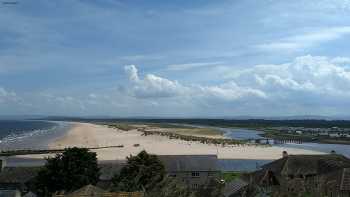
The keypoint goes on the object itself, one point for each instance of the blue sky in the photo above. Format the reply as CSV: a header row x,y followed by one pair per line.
x,y
175,58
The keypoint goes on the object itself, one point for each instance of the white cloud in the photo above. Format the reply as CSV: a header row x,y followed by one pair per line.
x,y
306,75
182,67
8,96
153,86
306,40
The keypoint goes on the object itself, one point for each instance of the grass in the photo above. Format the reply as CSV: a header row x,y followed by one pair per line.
x,y
121,126
186,129
198,131
230,176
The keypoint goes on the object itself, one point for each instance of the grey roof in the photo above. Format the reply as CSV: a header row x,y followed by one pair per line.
x,y
308,164
234,186
177,163
18,174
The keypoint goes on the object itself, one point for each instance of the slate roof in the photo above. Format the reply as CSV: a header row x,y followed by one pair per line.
x,y
307,164
18,174
185,163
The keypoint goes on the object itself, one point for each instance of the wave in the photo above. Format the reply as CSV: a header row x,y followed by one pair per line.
x,y
21,135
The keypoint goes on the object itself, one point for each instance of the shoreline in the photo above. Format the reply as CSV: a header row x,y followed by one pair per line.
x,y
93,135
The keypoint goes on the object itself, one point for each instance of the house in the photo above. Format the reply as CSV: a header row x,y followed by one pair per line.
x,y
192,170
294,175
16,181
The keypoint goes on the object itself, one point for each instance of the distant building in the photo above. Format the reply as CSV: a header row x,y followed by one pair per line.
x,y
334,135
295,175
192,170
299,132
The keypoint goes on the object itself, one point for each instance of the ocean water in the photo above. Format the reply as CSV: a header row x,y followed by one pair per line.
x,y
28,134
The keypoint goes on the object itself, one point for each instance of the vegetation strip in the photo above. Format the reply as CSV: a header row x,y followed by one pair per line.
x,y
203,140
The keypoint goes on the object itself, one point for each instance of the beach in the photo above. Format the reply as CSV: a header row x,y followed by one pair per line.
x,y
92,135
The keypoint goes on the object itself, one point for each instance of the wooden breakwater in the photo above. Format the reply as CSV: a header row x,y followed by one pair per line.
x,y
46,151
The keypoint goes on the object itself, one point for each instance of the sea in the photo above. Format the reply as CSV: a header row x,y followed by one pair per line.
x,y
29,134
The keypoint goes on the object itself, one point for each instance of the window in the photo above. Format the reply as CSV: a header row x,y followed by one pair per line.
x,y
194,186
195,174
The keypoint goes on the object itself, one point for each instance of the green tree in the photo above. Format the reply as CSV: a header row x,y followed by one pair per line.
x,y
170,187
141,173
71,170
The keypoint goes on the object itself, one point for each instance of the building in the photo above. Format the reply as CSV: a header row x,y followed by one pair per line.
x,y
16,181
295,175
299,132
192,170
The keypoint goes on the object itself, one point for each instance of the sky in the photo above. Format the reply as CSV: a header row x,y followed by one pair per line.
x,y
175,58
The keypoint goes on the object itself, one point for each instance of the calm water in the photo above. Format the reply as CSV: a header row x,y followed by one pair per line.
x,y
243,134
23,134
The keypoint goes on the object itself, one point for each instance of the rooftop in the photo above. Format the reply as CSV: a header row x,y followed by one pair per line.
x,y
175,163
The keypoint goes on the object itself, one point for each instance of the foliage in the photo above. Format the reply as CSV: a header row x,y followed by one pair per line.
x,y
213,189
142,172
170,187
121,126
71,170
230,176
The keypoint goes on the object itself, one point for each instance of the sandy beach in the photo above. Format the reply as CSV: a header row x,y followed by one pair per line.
x,y
91,135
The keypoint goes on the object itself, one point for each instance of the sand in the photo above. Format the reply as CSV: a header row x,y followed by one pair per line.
x,y
91,135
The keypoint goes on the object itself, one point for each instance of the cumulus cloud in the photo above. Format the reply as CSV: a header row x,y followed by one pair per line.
x,y
307,83
306,75
153,86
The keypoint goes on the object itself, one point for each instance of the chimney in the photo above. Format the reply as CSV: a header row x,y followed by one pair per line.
x,y
284,154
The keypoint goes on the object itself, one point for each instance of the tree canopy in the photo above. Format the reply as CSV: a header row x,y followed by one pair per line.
x,y
71,170
141,173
